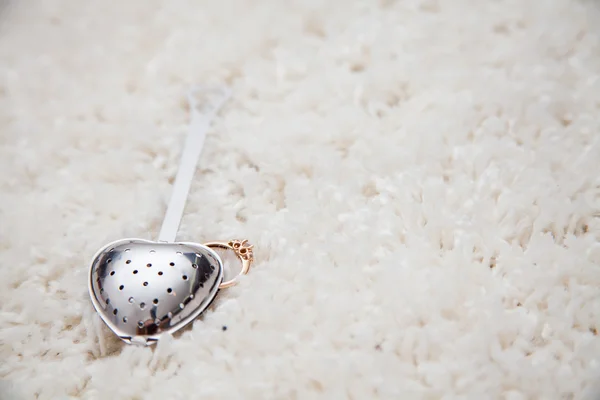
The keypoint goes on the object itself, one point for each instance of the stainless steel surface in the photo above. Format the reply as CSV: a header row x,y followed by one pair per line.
x,y
142,289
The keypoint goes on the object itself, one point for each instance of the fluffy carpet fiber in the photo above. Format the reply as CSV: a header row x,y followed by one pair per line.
x,y
420,179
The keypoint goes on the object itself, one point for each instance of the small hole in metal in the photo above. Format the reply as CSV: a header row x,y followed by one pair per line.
x,y
243,251
109,260
142,305
155,301
148,265
135,271
194,266
124,319
101,290
212,268
131,300
152,251
145,283
160,272
184,277
179,253
128,262
169,290
141,324
112,273
127,250
121,287
107,301
115,311
172,264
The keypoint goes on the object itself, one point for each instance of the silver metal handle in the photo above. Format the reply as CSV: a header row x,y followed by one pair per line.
x,y
205,102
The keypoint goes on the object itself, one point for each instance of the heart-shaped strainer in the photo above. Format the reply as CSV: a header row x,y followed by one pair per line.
x,y
143,289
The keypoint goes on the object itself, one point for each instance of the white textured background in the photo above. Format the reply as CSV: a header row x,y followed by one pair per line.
x,y
421,180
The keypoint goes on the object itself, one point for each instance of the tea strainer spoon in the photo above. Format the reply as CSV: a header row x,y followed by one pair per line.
x,y
144,289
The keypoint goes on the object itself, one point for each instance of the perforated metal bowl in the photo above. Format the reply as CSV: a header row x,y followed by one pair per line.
x,y
143,289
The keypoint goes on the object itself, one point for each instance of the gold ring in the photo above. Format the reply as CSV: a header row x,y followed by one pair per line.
x,y
242,250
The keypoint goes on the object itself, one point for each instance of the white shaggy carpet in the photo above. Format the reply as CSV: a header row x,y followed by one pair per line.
x,y
420,180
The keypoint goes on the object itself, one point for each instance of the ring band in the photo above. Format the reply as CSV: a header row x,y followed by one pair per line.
x,y
242,250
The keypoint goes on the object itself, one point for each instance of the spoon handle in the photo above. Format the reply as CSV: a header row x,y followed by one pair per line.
x,y
205,102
